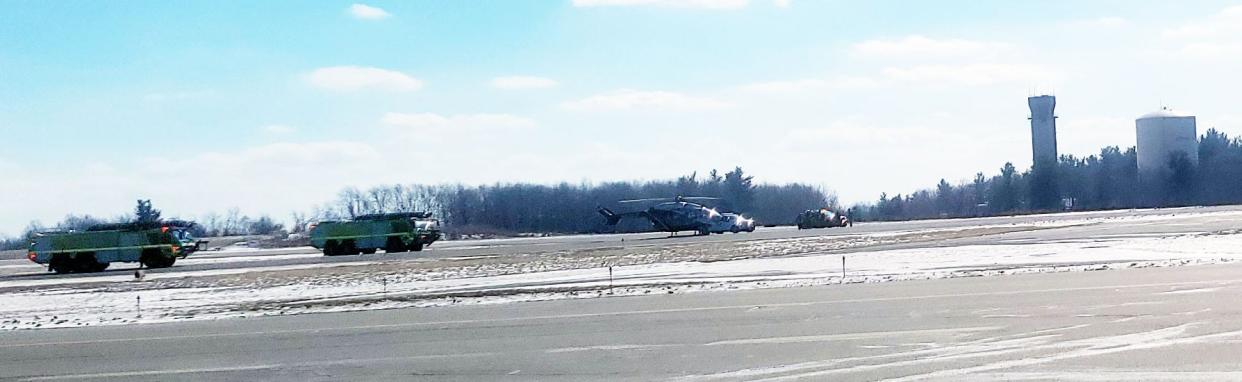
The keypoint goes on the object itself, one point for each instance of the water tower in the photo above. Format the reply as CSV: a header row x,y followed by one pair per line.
x,y
1161,134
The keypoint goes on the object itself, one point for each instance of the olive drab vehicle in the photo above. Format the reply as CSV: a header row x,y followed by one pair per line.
x,y
821,218
394,232
153,244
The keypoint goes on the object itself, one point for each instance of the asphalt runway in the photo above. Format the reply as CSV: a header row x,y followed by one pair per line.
x,y
21,269
1160,324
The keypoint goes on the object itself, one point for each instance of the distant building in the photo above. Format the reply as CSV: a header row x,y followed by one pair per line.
x,y
1161,134
1043,130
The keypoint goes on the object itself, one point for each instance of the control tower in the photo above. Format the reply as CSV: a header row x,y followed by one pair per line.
x,y
1043,130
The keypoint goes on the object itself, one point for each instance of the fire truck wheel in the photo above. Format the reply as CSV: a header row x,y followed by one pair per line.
x,y
154,258
348,248
60,264
394,245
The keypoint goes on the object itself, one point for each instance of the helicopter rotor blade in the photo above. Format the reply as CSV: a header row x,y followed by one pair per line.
x,y
705,198
649,200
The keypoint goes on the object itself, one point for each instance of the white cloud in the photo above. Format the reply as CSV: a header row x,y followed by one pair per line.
x,y
286,155
353,78
367,12
783,86
851,132
921,47
705,4
1211,51
1224,24
1100,23
471,121
811,84
782,3
1215,38
964,74
788,86
627,99
279,129
921,59
523,82
972,74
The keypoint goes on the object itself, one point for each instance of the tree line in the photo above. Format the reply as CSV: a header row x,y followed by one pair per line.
x,y
511,208
1109,180
501,209
232,223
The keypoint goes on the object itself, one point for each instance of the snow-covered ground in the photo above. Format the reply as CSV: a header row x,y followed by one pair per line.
x,y
673,268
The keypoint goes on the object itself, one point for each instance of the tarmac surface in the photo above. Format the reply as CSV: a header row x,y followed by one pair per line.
x,y
22,269
1157,324
1180,323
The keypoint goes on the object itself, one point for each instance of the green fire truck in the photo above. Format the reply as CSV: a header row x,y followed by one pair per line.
x,y
153,244
392,232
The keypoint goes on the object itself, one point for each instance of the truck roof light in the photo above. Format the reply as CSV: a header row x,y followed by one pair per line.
x,y
164,229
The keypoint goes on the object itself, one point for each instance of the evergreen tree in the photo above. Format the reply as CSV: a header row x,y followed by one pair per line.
x,y
144,213
1181,179
1043,189
739,190
944,198
1005,191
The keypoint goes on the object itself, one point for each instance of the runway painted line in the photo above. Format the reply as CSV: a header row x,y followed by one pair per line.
x,y
148,373
851,336
632,313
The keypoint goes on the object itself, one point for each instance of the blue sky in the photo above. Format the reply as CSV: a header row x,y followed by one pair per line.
x,y
275,106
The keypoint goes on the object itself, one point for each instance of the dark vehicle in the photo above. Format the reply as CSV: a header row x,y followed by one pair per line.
x,y
394,232
155,245
821,218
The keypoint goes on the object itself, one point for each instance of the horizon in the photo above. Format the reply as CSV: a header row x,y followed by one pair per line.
x,y
275,107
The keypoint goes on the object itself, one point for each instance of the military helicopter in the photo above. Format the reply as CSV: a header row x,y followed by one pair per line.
x,y
671,215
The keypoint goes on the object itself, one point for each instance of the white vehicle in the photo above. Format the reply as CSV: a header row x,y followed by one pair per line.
x,y
731,222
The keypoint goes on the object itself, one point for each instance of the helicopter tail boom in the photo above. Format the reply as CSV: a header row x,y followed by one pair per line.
x,y
613,218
